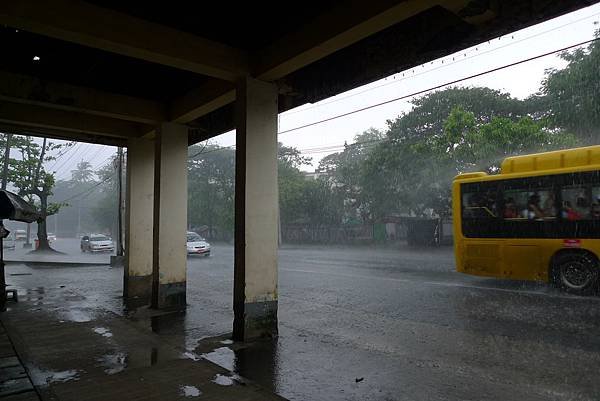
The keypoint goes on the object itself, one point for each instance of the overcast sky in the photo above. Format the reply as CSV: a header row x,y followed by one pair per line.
x,y
520,81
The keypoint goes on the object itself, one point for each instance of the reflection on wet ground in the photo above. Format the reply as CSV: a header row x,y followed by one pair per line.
x,y
354,325
71,346
113,363
44,377
190,391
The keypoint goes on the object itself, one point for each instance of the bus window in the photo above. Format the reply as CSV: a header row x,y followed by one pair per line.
x,y
528,204
595,202
479,205
576,203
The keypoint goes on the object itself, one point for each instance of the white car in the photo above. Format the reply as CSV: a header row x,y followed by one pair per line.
x,y
96,243
196,245
20,235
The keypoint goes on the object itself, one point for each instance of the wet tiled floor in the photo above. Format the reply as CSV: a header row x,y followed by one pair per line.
x,y
74,350
15,384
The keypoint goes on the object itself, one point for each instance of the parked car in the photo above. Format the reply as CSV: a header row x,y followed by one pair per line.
x,y
20,235
96,243
196,245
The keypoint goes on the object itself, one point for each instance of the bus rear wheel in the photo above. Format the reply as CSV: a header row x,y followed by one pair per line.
x,y
576,272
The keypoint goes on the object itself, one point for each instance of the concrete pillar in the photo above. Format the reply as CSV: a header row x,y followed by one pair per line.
x,y
137,281
169,256
256,211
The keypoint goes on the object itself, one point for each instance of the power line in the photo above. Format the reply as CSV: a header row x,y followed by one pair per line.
x,y
394,81
67,151
64,163
440,86
89,189
61,155
219,149
341,147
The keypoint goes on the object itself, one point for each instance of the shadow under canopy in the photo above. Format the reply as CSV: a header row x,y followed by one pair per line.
x,y
12,207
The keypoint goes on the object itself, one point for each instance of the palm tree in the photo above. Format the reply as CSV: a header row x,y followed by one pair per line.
x,y
83,173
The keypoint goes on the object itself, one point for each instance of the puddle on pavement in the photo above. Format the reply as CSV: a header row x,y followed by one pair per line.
x,y
223,380
103,331
224,357
257,361
42,377
190,355
190,391
113,363
76,315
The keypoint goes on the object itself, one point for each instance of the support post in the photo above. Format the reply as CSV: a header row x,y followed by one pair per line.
x,y
139,199
169,257
256,211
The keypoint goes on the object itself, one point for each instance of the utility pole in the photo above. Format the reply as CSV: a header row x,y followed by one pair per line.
x,y
79,217
120,211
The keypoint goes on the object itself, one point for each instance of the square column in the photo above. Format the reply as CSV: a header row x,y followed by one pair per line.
x,y
169,256
256,211
137,280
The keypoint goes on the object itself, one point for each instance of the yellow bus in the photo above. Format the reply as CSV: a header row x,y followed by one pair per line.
x,y
538,219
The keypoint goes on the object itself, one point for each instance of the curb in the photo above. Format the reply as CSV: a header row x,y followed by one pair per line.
x,y
54,264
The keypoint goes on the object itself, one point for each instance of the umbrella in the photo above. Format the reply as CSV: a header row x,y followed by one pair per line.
x,y
13,207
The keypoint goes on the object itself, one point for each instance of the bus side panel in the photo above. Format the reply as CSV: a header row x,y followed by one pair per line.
x,y
523,260
458,238
482,257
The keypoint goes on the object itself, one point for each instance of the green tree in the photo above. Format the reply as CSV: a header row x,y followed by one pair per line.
x,y
31,179
211,186
570,97
417,174
343,170
291,184
105,212
431,110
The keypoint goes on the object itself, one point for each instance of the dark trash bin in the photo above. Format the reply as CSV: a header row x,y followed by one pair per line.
x,y
422,232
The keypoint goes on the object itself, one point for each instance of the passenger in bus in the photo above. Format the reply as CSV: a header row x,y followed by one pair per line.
x,y
534,211
581,200
595,212
569,213
549,205
510,209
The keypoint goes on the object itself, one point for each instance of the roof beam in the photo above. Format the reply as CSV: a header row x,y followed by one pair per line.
x,y
85,24
57,134
201,101
34,116
330,32
25,89
336,30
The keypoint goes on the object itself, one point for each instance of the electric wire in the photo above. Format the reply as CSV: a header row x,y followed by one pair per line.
x,y
420,92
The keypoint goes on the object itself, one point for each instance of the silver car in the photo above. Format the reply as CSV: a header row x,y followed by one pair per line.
x,y
196,245
96,243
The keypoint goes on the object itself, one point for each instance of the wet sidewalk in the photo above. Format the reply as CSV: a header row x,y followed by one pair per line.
x,y
74,350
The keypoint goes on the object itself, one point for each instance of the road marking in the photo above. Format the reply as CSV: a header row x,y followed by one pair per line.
x,y
444,284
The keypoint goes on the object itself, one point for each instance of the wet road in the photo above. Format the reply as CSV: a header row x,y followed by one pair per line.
x,y
366,324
